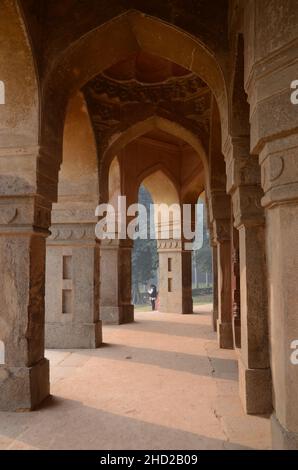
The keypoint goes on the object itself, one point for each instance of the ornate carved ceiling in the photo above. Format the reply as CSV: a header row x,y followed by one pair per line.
x,y
144,85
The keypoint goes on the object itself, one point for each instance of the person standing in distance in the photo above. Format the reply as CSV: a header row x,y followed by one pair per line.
x,y
152,291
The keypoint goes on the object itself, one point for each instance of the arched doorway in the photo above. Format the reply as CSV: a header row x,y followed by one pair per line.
x,y
74,69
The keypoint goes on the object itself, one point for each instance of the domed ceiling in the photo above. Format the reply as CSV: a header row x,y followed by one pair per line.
x,y
144,85
145,68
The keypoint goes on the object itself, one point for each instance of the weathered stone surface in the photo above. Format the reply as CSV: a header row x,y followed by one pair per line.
x,y
174,277
24,376
24,388
73,274
255,389
168,68
115,286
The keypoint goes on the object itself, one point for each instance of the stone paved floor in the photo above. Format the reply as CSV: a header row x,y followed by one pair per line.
x,y
160,383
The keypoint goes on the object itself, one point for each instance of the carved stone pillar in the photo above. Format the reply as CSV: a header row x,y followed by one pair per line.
x,y
215,287
220,218
24,378
243,183
175,277
274,138
254,371
224,323
279,163
72,279
236,287
115,282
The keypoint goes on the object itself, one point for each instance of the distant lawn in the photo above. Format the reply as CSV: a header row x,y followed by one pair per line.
x,y
143,307
199,299
203,299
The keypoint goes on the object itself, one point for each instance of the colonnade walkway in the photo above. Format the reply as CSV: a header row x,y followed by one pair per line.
x,y
160,383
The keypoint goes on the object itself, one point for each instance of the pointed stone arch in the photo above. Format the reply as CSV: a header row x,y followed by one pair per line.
x,y
114,180
160,169
19,117
124,35
119,141
163,189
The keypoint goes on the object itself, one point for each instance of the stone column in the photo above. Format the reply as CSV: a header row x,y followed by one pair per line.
x,y
220,221
269,71
175,277
254,371
236,287
224,322
24,378
72,288
215,287
115,282
243,183
279,163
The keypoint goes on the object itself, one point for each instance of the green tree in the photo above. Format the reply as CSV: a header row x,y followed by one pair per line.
x,y
144,254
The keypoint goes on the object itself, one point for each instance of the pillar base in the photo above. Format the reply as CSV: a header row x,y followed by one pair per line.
x,y
225,335
117,315
255,389
24,388
281,438
73,335
175,307
187,306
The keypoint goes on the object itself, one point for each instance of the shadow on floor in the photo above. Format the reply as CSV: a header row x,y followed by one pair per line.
x,y
189,330
178,361
68,424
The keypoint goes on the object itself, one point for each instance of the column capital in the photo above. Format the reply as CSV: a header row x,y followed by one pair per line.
x,y
242,168
247,206
222,230
235,147
279,167
72,233
268,86
74,211
115,243
170,245
211,235
219,204
24,215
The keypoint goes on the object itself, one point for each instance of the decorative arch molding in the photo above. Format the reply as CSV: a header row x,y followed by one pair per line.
x,y
165,194
124,35
78,171
19,118
119,141
114,180
159,168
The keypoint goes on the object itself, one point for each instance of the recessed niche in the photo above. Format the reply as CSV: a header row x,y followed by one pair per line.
x,y
67,267
66,301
